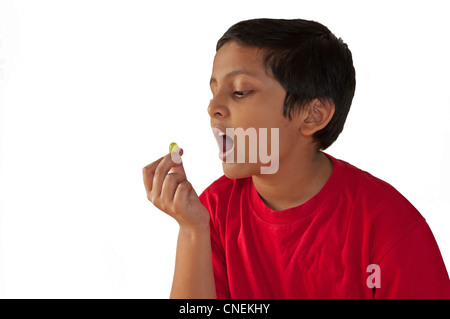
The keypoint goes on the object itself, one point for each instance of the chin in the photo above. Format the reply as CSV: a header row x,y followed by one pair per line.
x,y
235,171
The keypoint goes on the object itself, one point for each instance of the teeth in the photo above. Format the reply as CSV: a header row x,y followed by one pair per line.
x,y
221,133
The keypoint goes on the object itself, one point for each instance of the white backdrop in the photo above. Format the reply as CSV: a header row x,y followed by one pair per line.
x,y
92,91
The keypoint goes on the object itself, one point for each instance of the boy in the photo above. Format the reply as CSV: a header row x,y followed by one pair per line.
x,y
316,226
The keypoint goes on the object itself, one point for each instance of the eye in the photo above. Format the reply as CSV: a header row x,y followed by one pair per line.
x,y
241,94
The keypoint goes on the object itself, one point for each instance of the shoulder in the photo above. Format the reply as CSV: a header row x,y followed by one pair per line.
x,y
377,194
385,213
350,174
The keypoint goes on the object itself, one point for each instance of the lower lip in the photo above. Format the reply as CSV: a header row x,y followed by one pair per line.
x,y
223,156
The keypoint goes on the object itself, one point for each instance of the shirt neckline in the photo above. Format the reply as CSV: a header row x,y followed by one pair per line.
x,y
297,213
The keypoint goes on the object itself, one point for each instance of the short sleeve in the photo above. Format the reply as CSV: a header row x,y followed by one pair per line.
x,y
413,267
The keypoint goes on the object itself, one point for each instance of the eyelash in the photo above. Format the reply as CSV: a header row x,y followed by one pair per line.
x,y
241,94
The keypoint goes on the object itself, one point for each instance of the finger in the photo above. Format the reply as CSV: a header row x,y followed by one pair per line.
x,y
179,169
161,172
181,197
176,159
176,155
148,172
169,187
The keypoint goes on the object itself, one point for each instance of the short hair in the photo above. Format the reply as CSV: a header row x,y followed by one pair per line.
x,y
307,60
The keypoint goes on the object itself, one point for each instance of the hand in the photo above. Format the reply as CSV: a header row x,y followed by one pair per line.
x,y
169,190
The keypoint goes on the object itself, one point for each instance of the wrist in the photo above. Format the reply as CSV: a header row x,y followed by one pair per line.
x,y
197,222
194,232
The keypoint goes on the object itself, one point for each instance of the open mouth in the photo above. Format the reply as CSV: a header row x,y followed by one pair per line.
x,y
225,142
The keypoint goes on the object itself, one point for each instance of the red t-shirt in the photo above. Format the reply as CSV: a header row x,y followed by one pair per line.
x,y
357,238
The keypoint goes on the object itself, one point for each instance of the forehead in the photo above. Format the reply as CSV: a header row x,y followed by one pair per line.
x,y
233,57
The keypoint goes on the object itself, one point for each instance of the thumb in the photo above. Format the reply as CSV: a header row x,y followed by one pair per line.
x,y
179,169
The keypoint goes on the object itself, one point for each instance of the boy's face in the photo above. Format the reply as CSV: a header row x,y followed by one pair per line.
x,y
245,96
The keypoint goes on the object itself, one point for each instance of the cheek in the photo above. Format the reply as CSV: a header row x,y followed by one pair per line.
x,y
266,111
287,140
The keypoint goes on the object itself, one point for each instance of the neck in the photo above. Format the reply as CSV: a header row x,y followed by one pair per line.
x,y
298,179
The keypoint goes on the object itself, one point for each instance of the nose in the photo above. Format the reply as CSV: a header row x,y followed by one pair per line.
x,y
217,108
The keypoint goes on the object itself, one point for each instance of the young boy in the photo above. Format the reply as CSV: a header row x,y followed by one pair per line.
x,y
316,226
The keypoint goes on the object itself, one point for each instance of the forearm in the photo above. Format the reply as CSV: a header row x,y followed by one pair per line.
x,y
194,276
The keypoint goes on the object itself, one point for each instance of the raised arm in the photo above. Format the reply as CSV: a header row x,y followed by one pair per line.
x,y
169,190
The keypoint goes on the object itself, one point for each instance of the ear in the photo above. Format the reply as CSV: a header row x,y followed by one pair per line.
x,y
316,115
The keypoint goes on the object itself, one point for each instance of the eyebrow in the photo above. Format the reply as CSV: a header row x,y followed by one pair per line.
x,y
233,73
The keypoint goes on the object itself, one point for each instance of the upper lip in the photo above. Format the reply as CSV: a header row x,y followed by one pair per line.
x,y
219,131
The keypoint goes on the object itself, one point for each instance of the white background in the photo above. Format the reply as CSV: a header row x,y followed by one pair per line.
x,y
92,91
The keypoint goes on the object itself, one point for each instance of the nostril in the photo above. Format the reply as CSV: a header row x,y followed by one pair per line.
x,y
217,110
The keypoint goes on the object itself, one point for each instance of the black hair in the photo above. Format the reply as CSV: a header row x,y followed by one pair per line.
x,y
307,60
